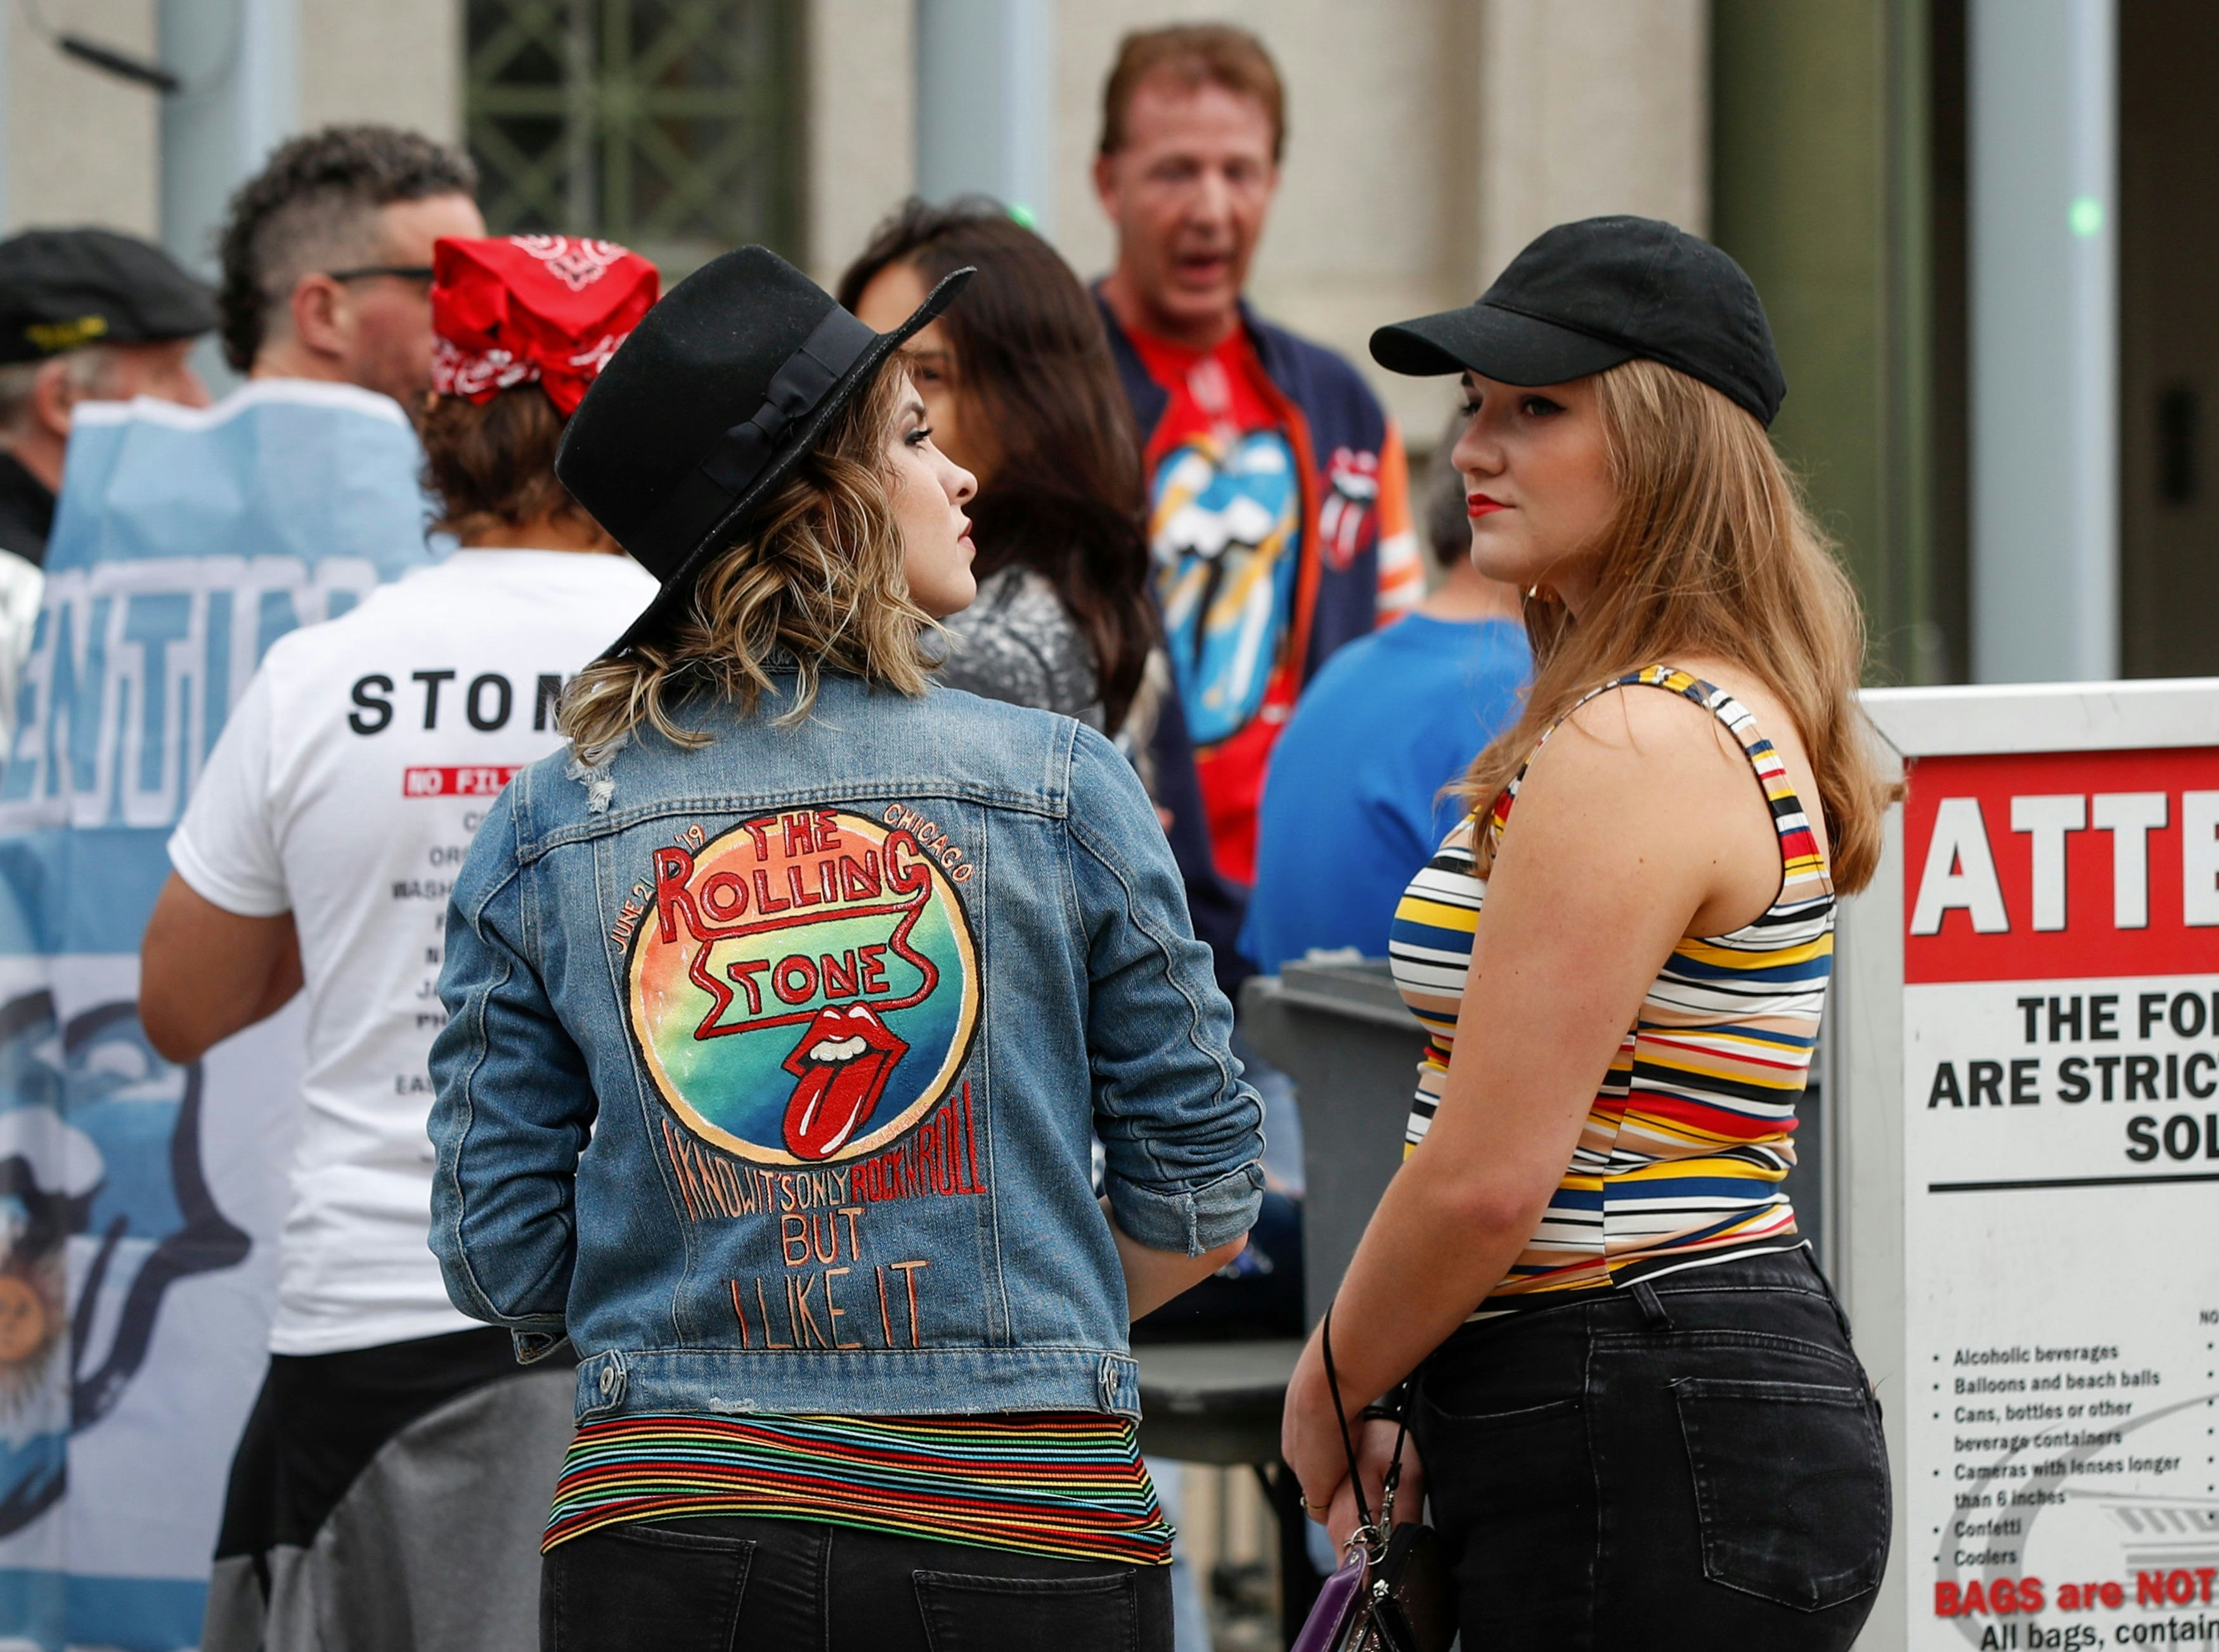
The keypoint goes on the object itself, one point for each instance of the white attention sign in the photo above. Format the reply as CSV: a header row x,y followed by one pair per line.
x,y
2043,1072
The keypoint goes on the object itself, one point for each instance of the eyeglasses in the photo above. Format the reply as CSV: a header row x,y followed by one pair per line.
x,y
364,271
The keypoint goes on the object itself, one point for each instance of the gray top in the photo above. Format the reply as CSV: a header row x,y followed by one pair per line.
x,y
1018,642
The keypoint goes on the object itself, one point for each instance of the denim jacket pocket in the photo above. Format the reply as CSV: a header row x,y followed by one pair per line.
x,y
1791,1487
534,1345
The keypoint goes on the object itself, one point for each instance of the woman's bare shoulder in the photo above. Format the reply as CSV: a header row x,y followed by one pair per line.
x,y
1778,725
1628,731
1651,789
1618,763
1653,726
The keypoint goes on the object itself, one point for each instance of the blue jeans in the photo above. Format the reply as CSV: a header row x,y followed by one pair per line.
x,y
723,1584
1695,1461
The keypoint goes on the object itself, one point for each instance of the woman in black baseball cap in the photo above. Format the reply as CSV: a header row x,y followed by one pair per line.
x,y
1640,1418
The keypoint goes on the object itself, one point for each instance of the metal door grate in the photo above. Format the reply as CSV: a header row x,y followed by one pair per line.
x,y
670,125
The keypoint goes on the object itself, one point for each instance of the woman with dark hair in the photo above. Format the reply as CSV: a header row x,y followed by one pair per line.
x,y
784,1009
1021,392
396,1447
1020,383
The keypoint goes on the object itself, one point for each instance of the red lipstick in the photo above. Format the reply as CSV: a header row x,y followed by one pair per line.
x,y
1479,505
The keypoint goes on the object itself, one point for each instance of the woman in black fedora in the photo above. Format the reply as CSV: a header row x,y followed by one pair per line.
x,y
1640,1418
784,1007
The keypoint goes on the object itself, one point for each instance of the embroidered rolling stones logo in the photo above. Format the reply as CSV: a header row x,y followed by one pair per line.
x,y
804,986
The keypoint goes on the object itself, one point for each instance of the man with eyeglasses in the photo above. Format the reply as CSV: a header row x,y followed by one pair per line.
x,y
186,541
327,258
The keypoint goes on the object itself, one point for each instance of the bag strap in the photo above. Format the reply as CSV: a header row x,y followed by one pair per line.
x,y
1366,1527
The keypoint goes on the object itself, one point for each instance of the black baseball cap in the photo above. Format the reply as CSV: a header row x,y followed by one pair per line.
x,y
61,290
1588,295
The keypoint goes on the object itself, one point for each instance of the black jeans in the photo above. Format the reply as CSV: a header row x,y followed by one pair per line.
x,y
730,1585
1693,1462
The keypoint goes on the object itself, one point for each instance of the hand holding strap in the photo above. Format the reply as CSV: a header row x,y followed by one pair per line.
x,y
1372,1535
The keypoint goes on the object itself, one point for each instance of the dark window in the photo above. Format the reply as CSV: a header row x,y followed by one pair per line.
x,y
669,125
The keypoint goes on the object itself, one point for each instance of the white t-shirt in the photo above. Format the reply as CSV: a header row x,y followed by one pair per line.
x,y
344,790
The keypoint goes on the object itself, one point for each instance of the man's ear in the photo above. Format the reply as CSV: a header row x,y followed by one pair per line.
x,y
1105,181
320,308
53,397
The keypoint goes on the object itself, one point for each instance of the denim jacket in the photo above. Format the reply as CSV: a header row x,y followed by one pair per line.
x,y
772,1067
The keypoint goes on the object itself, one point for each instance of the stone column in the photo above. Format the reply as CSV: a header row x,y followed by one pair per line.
x,y
986,102
397,62
1602,106
2044,302
862,134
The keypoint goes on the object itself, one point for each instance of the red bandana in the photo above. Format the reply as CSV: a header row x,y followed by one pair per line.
x,y
526,309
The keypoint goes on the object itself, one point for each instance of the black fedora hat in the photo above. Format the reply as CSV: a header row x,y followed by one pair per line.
x,y
1587,296
710,404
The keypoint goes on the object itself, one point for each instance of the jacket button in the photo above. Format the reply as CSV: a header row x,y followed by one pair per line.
x,y
608,1379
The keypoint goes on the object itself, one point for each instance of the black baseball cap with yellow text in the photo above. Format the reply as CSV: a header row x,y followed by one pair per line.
x,y
61,290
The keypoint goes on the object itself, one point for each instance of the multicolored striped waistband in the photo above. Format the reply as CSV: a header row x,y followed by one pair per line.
x,y
1066,1484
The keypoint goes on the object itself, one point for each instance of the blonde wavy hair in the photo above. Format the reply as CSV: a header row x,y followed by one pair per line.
x,y
817,578
1713,553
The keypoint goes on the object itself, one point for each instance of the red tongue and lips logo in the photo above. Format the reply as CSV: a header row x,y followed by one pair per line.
x,y
843,1061
770,935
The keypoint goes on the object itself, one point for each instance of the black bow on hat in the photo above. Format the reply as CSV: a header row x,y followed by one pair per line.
x,y
711,403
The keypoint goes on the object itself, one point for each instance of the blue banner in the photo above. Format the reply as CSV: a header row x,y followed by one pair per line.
x,y
140,1201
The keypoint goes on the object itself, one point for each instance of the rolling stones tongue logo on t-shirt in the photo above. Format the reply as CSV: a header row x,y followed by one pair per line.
x,y
804,986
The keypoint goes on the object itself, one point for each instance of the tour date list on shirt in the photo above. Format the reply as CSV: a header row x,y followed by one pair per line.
x,y
486,703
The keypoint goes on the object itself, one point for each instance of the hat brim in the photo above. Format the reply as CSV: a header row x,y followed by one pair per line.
x,y
1496,342
679,587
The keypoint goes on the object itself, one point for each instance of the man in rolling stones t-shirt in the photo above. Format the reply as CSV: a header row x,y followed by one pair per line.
x,y
1277,488
396,1472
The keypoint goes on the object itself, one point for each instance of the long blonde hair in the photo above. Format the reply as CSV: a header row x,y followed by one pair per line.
x,y
817,578
1714,554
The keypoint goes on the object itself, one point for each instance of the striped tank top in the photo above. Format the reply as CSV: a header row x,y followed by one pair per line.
x,y
1068,1484
1681,1160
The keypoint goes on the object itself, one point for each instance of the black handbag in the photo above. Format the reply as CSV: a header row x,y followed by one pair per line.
x,y
1391,1595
